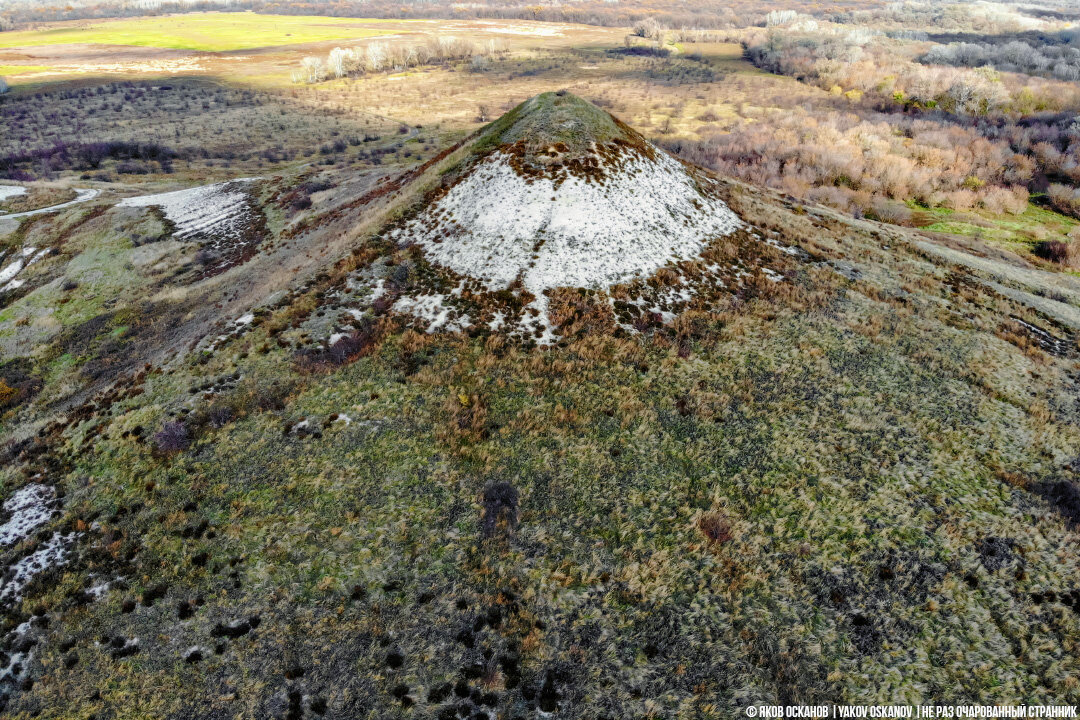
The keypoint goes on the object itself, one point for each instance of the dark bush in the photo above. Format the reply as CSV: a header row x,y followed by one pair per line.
x,y
500,499
86,156
204,256
399,278
219,416
173,437
314,186
344,351
1053,250
1063,495
270,397
642,51
715,527
18,382
132,168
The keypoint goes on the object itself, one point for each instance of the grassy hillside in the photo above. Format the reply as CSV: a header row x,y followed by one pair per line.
x,y
850,484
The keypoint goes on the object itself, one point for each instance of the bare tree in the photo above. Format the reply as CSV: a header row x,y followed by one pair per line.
x,y
335,62
975,94
314,69
1057,57
780,17
649,29
379,56
376,56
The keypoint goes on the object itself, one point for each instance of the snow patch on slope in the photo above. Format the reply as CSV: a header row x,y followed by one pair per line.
x,y
433,310
13,664
18,265
11,270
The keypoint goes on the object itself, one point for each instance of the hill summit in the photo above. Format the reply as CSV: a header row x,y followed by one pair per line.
x,y
559,129
558,193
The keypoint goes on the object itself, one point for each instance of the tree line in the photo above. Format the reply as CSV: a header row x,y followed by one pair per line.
x,y
1058,56
378,56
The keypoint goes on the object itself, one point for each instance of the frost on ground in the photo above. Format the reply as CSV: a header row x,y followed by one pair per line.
x,y
28,508
509,230
52,553
13,664
233,329
347,308
220,217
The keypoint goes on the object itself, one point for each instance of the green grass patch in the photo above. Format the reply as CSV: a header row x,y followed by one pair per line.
x,y
1016,232
14,70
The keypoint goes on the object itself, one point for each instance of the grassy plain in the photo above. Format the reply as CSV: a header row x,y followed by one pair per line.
x,y
22,69
207,32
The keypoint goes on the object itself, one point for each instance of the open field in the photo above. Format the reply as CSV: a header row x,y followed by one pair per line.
x,y
20,69
211,32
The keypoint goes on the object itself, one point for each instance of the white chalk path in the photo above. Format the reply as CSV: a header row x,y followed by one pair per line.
x,y
83,195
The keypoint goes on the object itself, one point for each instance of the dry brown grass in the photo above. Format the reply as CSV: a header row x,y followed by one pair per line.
x,y
715,526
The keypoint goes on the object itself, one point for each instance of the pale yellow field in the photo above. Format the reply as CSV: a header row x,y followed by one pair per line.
x,y
210,32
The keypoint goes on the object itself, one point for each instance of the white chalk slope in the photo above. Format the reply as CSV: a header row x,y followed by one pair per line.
x,y
28,508
221,208
496,226
51,553
10,191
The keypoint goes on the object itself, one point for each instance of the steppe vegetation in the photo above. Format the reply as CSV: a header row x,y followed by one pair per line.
x,y
836,460
127,128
